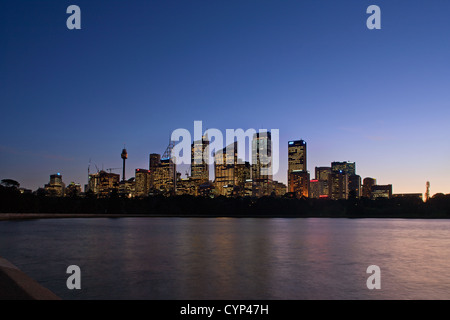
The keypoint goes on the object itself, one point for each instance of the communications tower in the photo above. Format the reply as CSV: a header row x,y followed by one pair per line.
x,y
124,156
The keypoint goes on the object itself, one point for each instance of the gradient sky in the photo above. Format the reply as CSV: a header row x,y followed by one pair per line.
x,y
140,69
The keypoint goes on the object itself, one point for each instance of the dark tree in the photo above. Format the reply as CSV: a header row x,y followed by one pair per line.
x,y
9,183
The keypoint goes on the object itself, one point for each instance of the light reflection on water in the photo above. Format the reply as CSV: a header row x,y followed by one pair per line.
x,y
209,258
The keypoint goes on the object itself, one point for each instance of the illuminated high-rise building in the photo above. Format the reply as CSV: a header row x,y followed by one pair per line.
x,y
297,156
367,187
200,160
262,173
164,176
347,167
314,189
296,160
243,174
299,183
103,183
155,160
143,182
225,174
339,185
56,186
323,175
354,186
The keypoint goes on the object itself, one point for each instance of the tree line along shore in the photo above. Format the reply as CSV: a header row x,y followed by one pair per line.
x,y
12,201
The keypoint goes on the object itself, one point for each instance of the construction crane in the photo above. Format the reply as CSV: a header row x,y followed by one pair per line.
x,y
111,169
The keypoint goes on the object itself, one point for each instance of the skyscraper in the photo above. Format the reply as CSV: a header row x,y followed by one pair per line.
x,y
353,180
354,186
323,175
299,183
155,160
297,164
314,189
143,182
367,187
344,166
297,156
225,174
199,160
56,186
262,174
103,183
164,176
339,185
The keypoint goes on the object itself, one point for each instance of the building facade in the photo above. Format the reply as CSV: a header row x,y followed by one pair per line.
x,y
262,173
102,183
339,185
381,191
368,183
323,175
55,187
143,182
299,183
200,160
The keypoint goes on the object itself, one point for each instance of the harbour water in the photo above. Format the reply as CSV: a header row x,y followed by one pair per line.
x,y
233,258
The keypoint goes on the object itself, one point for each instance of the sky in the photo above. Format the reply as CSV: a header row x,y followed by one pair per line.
x,y
138,70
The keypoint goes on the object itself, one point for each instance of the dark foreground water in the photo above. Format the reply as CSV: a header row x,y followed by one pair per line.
x,y
211,258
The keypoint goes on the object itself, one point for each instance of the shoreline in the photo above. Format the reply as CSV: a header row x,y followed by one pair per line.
x,y
37,216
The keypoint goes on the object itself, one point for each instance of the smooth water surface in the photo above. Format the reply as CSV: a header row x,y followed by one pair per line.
x,y
247,258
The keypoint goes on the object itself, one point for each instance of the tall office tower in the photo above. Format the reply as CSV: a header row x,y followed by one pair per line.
x,y
155,160
164,176
339,185
367,187
323,175
124,156
262,173
314,189
354,186
296,158
297,155
103,183
56,186
242,175
143,182
200,160
225,162
299,183
347,167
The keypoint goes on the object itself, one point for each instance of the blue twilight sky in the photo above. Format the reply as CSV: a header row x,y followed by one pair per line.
x,y
137,70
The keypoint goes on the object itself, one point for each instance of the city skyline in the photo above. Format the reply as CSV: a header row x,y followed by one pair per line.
x,y
230,171
136,72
